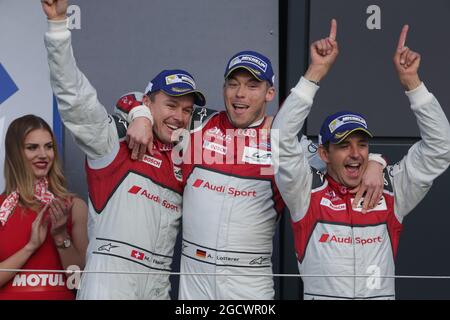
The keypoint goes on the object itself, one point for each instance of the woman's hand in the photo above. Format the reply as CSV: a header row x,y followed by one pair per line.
x,y
59,215
39,230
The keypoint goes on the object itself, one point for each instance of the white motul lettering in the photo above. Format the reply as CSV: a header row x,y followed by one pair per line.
x,y
44,278
20,280
33,280
53,280
61,280
374,21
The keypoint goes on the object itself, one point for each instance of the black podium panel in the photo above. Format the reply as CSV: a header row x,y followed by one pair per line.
x,y
363,78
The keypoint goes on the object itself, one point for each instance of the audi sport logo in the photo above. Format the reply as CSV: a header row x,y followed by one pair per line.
x,y
137,190
327,238
199,183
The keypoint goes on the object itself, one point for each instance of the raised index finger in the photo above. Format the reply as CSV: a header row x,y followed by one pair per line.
x,y
402,39
333,29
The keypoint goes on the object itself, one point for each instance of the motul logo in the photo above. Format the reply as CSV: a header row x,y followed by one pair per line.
x,y
223,189
34,280
326,238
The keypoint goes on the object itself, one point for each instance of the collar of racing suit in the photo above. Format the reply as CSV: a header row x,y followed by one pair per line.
x,y
162,147
254,125
337,187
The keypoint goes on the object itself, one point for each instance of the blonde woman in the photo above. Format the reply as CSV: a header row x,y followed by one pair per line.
x,y
42,225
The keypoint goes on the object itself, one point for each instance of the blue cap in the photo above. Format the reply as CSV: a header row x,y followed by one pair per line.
x,y
338,126
257,64
176,83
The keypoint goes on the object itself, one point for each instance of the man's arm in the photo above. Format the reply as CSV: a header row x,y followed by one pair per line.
x,y
78,105
292,170
140,134
413,176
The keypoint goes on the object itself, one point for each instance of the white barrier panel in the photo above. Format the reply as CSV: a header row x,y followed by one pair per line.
x,y
24,76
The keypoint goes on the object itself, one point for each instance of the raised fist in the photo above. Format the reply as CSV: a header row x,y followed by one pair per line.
x,y
55,9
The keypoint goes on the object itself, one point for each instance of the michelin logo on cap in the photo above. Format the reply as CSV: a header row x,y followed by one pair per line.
x,y
339,122
179,78
248,59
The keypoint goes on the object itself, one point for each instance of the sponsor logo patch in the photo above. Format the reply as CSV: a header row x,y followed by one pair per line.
x,y
107,247
214,147
178,173
180,78
327,238
257,156
152,161
339,122
248,59
154,197
180,90
199,183
336,207
381,205
218,134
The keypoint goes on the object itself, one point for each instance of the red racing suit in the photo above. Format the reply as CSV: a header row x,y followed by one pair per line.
x,y
335,243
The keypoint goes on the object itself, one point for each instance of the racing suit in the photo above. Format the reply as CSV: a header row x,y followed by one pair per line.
x,y
331,238
134,206
230,208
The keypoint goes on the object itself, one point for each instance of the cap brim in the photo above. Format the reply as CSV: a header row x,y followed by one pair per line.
x,y
246,68
333,141
199,98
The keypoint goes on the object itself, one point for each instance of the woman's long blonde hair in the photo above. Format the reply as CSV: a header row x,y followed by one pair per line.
x,y
18,173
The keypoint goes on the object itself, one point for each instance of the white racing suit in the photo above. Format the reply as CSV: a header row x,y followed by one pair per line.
x,y
134,206
230,209
331,238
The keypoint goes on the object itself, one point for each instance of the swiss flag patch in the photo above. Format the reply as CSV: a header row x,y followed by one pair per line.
x,y
137,254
